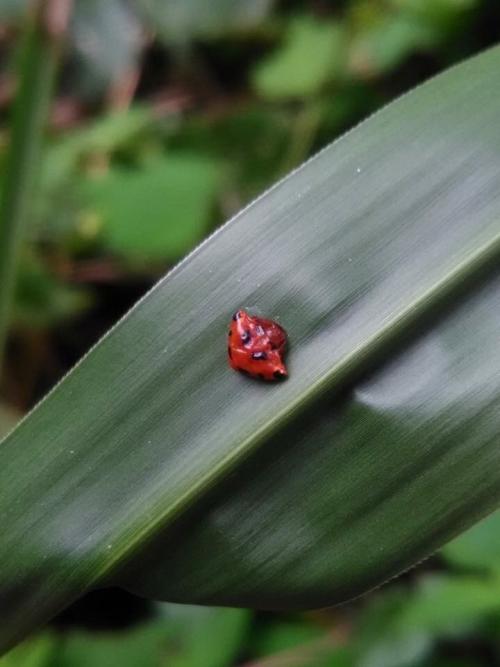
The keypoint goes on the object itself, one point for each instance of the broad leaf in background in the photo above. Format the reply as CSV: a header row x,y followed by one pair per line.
x,y
35,652
61,213
310,57
380,46
155,467
157,212
477,548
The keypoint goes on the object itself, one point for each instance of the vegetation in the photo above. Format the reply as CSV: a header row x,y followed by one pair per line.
x,y
145,469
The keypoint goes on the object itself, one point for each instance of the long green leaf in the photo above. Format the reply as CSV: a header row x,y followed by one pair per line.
x,y
155,467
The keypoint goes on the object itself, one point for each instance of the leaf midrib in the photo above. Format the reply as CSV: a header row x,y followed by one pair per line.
x,y
343,372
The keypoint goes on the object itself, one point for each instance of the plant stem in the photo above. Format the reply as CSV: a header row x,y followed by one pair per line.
x,y
40,55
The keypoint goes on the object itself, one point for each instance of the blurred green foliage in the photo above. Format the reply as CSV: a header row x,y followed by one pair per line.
x,y
430,619
156,212
169,117
178,637
311,56
189,109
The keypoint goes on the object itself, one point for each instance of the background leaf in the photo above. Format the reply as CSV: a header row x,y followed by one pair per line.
x,y
159,211
37,652
309,58
478,548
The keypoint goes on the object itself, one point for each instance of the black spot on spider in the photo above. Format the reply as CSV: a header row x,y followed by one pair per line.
x,y
261,376
279,375
229,333
259,356
229,352
236,316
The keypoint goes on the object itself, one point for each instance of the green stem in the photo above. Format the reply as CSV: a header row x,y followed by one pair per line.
x,y
40,55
